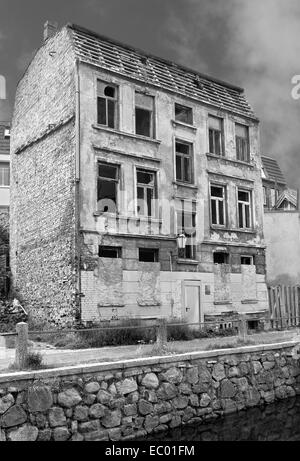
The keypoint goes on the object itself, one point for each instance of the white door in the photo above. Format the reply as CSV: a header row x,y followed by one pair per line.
x,y
191,302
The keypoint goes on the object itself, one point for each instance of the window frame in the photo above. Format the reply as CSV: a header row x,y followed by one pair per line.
x,y
246,140
244,204
181,230
251,257
155,254
217,200
183,156
152,114
145,187
111,248
221,132
4,166
184,107
115,100
116,181
226,256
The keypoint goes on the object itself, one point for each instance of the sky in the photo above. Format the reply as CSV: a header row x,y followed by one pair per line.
x,y
253,44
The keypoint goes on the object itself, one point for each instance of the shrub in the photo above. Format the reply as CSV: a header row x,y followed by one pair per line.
x,y
34,361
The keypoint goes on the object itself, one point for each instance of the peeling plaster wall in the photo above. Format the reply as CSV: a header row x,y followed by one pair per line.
x,y
123,147
169,294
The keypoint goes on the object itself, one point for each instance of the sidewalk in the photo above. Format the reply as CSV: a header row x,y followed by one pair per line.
x,y
63,357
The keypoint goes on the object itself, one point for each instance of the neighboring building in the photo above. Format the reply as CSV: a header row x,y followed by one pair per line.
x,y
136,188
4,205
281,226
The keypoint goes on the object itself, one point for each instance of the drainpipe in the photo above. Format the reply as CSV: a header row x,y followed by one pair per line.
x,y
77,182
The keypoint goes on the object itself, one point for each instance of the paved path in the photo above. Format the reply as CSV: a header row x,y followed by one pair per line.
x,y
65,357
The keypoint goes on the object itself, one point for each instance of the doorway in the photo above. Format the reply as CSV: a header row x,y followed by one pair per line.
x,y
191,305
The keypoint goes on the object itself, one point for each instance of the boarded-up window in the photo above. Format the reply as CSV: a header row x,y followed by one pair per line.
x,y
107,188
183,161
144,115
242,143
215,131
107,96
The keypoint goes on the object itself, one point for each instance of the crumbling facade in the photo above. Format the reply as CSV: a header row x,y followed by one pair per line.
x,y
136,188
4,206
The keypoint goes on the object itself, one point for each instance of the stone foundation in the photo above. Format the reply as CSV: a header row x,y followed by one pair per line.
x,y
118,401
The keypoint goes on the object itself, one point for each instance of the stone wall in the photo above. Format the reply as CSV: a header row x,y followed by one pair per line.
x,y
120,401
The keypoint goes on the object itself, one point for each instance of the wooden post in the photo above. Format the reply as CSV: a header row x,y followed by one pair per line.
x,y
161,332
21,345
243,327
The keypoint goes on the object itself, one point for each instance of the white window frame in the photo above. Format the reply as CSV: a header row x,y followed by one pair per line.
x,y
244,204
217,200
190,156
116,100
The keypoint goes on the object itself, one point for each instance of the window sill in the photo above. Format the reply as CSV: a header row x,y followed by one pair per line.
x,y
249,301
228,229
229,160
184,125
124,133
187,261
184,184
131,217
220,303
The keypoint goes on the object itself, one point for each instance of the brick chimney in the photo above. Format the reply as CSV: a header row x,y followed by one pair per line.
x,y
50,29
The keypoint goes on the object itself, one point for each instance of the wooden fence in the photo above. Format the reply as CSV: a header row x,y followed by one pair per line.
x,y
284,305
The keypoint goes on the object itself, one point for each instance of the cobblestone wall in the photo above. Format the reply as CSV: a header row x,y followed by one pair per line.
x,y
118,401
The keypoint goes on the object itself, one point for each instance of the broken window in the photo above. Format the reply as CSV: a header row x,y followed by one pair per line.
x,y
183,114
247,260
4,174
106,104
244,209
242,143
110,252
220,257
146,192
217,204
183,161
148,255
215,132
186,224
107,188
144,115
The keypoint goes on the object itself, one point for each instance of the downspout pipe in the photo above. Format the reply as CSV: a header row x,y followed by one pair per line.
x,y
77,196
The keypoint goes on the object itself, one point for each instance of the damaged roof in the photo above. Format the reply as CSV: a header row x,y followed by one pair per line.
x,y
4,142
272,170
132,63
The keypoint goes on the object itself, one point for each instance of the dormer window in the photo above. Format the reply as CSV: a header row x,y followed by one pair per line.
x,y
107,97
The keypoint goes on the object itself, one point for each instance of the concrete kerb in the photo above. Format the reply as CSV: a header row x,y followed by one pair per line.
x,y
145,361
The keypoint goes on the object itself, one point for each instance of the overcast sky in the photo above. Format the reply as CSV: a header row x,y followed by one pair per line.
x,y
254,44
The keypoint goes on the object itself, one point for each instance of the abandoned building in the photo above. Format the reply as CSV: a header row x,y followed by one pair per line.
x,y
136,188
277,195
4,206
281,226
